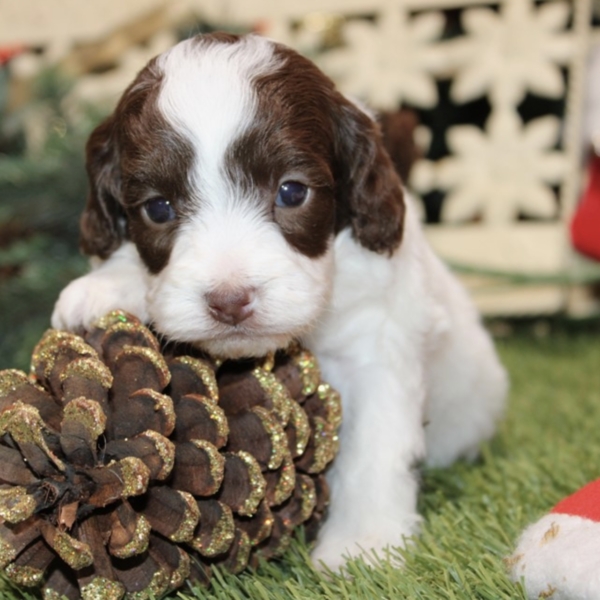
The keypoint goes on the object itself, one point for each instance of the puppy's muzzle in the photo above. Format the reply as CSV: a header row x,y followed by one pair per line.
x,y
231,306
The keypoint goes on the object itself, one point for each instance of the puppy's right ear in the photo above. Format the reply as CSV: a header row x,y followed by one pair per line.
x,y
102,225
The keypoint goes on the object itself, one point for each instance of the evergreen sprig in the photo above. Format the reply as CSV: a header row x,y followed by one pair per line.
x,y
42,192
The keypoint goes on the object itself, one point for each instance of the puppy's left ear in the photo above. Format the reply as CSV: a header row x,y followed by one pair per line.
x,y
370,198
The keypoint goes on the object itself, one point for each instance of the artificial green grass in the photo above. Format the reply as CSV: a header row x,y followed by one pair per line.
x,y
547,447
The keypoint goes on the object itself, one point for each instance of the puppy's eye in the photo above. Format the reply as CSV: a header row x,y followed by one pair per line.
x,y
159,210
291,194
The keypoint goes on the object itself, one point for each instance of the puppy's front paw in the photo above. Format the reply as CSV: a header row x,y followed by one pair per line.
x,y
90,297
333,550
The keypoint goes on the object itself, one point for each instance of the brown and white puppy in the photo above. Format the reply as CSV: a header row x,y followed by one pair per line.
x,y
238,201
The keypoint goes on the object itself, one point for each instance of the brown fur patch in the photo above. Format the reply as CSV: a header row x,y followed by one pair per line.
x,y
133,156
305,126
291,138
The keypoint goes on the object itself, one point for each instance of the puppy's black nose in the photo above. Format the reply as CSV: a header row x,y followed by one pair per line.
x,y
230,305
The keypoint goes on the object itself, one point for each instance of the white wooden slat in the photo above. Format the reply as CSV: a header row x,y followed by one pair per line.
x,y
526,248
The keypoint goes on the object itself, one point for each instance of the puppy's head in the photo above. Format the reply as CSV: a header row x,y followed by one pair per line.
x,y
231,163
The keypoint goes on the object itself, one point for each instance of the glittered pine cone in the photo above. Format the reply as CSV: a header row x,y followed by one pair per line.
x,y
127,468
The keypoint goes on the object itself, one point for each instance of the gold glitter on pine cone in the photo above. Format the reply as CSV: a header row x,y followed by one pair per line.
x,y
127,468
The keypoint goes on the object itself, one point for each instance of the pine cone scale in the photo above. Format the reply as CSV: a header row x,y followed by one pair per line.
x,y
193,376
200,419
31,564
215,532
15,471
199,468
90,532
129,532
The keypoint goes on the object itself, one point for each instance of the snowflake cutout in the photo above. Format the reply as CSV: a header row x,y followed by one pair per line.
x,y
391,61
517,50
502,171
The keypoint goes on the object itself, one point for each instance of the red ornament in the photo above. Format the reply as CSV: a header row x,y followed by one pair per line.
x,y
585,225
8,52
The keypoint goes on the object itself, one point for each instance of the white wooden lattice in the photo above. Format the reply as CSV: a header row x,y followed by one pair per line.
x,y
500,52
497,173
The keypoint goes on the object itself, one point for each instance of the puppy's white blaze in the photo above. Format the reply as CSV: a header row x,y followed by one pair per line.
x,y
207,95
220,247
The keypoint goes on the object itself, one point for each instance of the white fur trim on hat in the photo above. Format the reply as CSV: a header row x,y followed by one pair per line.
x,y
559,558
